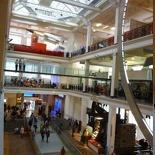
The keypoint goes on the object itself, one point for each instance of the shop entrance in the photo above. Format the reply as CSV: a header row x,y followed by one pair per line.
x,y
57,107
30,105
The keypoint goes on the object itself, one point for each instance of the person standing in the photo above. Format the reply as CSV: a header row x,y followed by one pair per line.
x,y
20,65
16,64
22,132
24,64
63,151
35,125
47,135
42,134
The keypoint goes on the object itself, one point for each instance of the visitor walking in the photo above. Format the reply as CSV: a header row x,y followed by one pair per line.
x,y
42,134
63,151
22,132
47,135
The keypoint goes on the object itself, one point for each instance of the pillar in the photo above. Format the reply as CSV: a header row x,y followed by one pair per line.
x,y
85,80
47,105
5,11
71,107
2,123
84,118
111,129
71,43
66,107
153,79
115,68
39,70
115,74
88,41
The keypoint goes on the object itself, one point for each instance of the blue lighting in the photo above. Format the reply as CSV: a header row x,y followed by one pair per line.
x,y
28,95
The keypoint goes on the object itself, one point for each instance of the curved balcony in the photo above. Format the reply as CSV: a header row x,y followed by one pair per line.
x,y
142,90
129,35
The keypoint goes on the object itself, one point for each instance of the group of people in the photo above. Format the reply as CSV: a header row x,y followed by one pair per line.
x,y
44,131
20,65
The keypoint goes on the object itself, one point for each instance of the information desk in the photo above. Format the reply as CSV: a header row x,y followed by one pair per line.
x,y
93,144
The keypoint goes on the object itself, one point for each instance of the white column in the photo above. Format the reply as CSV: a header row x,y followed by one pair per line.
x,y
71,106
90,103
84,105
88,41
116,24
111,129
71,43
47,105
39,69
66,107
2,123
85,80
115,74
115,68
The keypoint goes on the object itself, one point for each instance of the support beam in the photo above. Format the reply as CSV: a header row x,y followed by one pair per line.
x,y
45,2
127,87
81,5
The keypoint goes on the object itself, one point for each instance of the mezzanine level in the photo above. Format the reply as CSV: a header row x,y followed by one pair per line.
x,y
136,38
145,109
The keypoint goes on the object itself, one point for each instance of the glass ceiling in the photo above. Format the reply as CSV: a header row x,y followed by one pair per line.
x,y
57,10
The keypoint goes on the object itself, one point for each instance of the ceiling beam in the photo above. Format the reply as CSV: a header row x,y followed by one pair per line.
x,y
93,15
31,22
45,2
81,5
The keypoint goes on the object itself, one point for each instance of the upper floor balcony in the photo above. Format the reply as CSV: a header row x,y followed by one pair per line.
x,y
142,89
136,38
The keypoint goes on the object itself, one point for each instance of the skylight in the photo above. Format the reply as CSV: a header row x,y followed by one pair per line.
x,y
56,12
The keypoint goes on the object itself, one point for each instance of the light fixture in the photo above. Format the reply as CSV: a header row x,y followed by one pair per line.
x,y
98,24
112,28
98,118
94,30
104,27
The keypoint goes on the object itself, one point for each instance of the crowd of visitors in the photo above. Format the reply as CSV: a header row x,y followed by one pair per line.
x,y
14,112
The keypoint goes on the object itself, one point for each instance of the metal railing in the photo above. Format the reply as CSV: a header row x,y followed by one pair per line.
x,y
65,140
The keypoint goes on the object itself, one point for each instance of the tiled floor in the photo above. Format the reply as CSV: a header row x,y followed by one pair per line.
x,y
53,147
15,145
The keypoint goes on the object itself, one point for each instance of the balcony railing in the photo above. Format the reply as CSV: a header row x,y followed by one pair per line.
x,y
142,91
129,35
65,140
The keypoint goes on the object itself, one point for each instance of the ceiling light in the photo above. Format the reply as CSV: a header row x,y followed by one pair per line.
x,y
94,30
46,27
98,24
104,27
112,28
99,118
132,58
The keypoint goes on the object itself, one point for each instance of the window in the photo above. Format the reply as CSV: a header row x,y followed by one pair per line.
x,y
16,39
